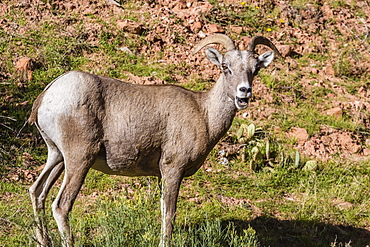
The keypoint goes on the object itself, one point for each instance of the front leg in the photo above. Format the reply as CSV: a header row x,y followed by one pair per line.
x,y
170,186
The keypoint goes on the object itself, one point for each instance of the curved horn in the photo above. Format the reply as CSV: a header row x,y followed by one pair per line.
x,y
260,40
222,39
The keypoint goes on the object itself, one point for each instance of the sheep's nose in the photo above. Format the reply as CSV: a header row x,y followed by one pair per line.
x,y
246,90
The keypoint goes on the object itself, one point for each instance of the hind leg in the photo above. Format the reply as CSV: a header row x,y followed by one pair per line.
x,y
40,189
77,164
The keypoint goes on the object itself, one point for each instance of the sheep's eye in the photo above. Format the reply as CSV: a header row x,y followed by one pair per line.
x,y
224,66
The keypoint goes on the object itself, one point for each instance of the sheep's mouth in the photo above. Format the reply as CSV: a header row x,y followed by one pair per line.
x,y
241,103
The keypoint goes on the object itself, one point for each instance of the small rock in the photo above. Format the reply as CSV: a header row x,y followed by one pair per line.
x,y
367,143
342,205
201,34
197,26
285,50
24,5
366,151
130,26
236,29
69,6
180,4
329,70
299,133
354,148
314,71
203,8
223,161
291,63
90,11
194,199
126,50
336,112
310,165
214,28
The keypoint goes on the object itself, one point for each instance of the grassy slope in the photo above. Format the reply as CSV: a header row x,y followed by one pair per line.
x,y
280,204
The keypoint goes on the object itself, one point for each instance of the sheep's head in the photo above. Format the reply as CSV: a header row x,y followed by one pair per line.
x,y
238,67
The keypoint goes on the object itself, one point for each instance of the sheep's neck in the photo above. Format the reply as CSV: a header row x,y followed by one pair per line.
x,y
219,110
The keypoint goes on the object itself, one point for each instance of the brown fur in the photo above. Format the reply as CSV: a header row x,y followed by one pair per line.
x,y
35,107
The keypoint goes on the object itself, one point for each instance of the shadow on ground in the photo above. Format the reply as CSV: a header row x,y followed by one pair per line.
x,y
299,233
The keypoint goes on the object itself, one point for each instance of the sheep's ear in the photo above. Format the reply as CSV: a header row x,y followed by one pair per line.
x,y
214,56
265,59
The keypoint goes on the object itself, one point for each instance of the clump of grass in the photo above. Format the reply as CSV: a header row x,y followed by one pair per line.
x,y
124,222
215,233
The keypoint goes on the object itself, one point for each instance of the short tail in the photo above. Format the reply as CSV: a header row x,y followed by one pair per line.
x,y
35,107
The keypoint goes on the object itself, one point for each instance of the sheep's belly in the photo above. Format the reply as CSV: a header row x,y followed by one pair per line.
x,y
142,166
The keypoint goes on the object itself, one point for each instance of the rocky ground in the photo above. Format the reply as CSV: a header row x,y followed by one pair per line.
x,y
332,36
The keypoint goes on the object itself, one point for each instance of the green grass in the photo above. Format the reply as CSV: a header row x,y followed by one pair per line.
x,y
122,222
297,200
304,116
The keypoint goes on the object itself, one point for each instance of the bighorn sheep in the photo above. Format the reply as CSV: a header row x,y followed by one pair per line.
x,y
90,121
